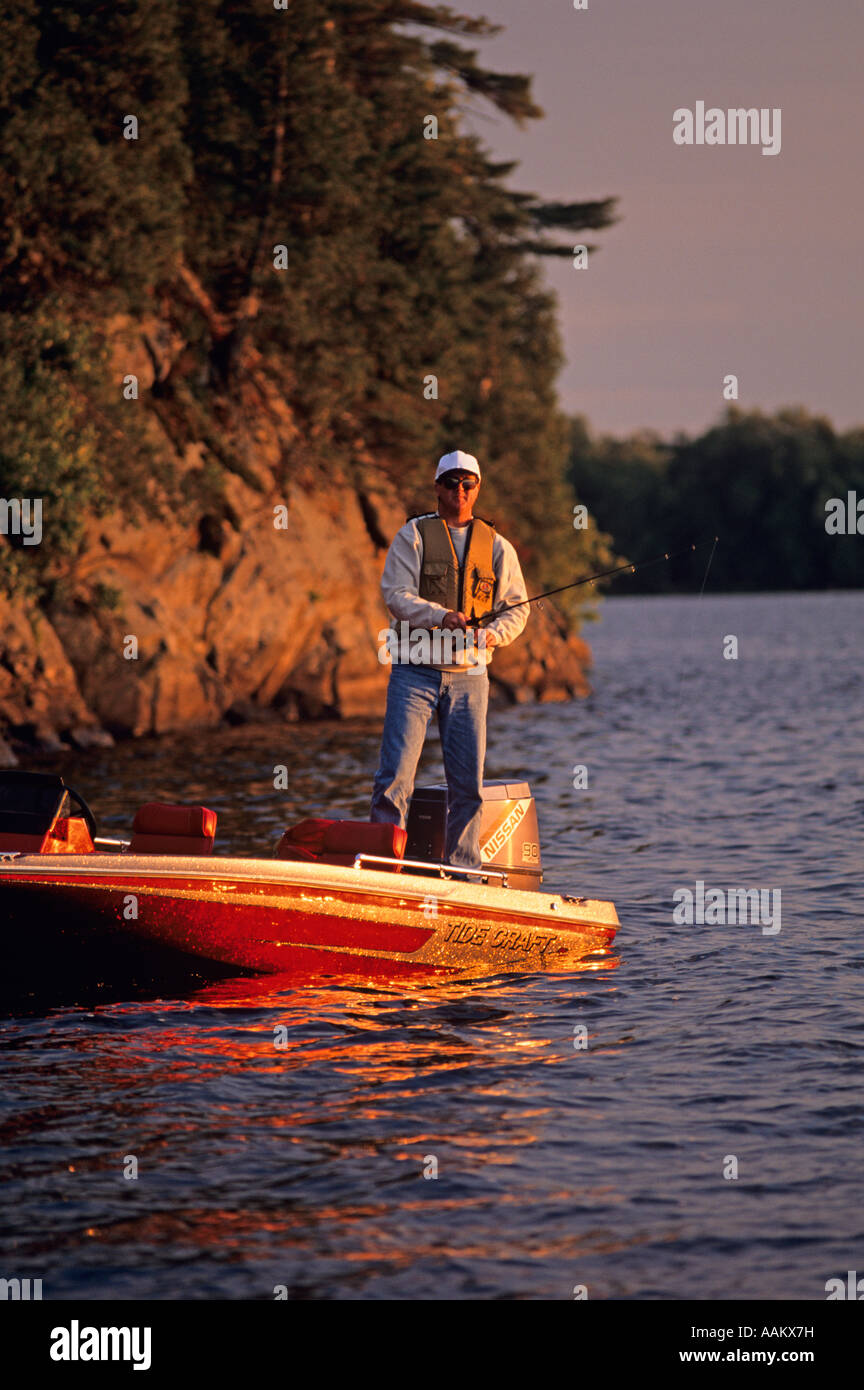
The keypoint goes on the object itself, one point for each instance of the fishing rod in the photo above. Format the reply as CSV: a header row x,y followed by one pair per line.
x,y
592,579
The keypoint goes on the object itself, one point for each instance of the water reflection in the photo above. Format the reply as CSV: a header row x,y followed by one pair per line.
x,y
271,1120
303,1166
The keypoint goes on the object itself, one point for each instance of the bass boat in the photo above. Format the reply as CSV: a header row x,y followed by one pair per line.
x,y
334,896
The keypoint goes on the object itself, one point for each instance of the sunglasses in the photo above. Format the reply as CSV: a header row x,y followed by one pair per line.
x,y
453,483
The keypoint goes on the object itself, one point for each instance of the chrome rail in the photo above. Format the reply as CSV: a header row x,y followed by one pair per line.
x,y
443,870
102,842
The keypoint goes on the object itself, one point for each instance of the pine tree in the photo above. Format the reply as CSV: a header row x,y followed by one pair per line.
x,y
303,128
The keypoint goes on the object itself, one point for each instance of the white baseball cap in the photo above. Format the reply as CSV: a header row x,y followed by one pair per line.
x,y
458,461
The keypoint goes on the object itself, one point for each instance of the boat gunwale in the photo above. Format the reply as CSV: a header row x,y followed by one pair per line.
x,y
367,882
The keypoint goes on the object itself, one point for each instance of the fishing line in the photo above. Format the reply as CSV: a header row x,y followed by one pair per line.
x,y
604,574
590,579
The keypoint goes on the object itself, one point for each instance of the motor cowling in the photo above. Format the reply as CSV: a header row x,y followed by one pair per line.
x,y
509,832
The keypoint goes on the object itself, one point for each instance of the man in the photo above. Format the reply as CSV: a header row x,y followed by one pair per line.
x,y
445,570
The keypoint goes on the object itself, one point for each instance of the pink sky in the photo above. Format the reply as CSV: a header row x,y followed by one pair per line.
x,y
725,260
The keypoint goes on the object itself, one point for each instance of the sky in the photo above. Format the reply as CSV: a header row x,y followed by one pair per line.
x,y
724,260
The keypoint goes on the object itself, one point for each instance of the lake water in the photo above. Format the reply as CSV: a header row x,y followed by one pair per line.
x,y
710,1047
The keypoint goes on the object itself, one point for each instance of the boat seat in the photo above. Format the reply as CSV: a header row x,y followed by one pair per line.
x,y
305,840
162,829
338,841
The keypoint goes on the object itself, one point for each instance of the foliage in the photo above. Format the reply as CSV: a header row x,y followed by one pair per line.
x,y
302,128
758,482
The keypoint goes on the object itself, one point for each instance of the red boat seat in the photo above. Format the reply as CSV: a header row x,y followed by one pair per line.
x,y
338,841
305,840
162,829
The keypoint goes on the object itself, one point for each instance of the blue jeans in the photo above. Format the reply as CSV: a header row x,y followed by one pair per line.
x,y
460,699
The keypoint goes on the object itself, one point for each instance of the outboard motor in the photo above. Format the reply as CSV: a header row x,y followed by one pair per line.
x,y
509,834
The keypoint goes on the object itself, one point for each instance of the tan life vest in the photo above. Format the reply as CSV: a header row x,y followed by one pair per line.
x,y
468,588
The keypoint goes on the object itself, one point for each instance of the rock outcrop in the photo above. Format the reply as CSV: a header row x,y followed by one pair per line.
x,y
265,602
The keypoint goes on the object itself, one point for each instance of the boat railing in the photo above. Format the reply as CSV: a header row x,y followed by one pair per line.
x,y
442,870
101,844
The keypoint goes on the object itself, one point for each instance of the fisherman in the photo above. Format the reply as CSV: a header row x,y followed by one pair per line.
x,y
446,570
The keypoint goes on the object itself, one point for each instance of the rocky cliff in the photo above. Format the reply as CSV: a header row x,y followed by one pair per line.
x,y
263,600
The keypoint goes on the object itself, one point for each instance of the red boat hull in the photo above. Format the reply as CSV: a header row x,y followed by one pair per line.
x,y
269,917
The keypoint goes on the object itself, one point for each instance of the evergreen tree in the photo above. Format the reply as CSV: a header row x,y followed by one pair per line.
x,y
758,482
405,257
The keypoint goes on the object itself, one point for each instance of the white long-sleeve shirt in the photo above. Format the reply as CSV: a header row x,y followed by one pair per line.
x,y
400,583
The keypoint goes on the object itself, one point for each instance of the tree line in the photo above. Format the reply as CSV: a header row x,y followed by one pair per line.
x,y
775,490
